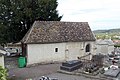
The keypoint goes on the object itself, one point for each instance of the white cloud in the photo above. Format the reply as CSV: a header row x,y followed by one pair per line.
x,y
99,13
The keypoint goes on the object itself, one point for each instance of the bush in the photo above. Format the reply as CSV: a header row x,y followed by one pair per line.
x,y
3,73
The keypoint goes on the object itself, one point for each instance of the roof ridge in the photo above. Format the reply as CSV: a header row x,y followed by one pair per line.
x,y
30,30
62,21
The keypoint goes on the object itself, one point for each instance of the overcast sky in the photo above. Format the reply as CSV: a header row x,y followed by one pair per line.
x,y
100,14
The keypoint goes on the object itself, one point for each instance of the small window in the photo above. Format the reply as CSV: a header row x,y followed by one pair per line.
x,y
88,48
56,49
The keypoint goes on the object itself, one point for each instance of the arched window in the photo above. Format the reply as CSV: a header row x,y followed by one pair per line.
x,y
87,48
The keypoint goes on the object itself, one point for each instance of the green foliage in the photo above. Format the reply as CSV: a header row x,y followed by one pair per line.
x,y
107,34
17,16
3,73
2,31
116,45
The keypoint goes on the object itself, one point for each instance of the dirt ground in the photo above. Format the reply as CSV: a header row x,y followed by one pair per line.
x,y
17,73
35,72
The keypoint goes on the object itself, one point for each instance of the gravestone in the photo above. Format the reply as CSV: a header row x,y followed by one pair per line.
x,y
71,65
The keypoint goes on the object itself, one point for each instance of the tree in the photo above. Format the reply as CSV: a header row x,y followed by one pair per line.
x,y
17,16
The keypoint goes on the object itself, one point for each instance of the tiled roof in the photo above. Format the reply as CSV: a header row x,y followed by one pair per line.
x,y
117,42
1,54
104,42
1,48
56,31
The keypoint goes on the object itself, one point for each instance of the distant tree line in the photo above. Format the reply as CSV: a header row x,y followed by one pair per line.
x,y
108,36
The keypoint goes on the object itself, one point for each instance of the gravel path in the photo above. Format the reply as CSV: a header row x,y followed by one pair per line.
x,y
31,72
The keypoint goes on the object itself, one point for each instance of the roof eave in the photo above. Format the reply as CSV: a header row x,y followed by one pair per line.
x,y
55,42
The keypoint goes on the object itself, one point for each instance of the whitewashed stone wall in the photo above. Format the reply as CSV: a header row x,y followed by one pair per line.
x,y
37,53
2,61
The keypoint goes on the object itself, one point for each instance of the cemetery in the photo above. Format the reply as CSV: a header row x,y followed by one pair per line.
x,y
94,68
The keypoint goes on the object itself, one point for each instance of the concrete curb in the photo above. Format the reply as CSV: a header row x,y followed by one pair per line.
x,y
85,75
